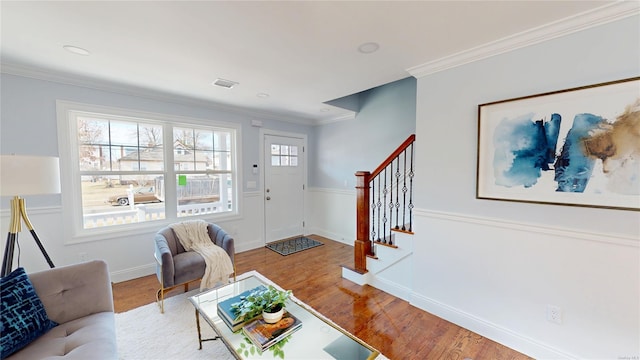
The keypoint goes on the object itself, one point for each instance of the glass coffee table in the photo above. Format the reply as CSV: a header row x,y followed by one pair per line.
x,y
318,338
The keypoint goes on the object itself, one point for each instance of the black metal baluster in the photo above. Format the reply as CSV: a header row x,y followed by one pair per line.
x,y
388,236
398,192
379,205
372,193
411,191
404,193
384,218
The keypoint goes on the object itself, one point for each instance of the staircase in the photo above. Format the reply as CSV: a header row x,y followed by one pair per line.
x,y
384,228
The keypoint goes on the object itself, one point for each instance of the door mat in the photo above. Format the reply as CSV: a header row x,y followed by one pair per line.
x,y
293,245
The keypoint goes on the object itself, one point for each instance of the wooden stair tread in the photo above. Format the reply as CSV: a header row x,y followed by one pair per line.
x,y
384,244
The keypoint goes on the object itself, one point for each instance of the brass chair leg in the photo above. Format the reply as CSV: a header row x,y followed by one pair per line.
x,y
160,299
234,272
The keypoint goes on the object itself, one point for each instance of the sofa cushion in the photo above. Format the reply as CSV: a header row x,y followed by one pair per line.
x,y
189,265
89,337
24,318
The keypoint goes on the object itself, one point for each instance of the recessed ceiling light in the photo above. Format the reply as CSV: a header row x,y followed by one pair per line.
x,y
262,95
76,50
227,84
369,47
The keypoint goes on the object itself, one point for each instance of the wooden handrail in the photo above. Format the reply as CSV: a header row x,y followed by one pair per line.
x,y
393,155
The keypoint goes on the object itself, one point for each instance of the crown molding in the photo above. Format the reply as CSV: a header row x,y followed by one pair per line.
x,y
599,16
350,115
109,86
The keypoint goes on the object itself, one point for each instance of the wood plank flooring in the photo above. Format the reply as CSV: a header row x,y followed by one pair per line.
x,y
391,325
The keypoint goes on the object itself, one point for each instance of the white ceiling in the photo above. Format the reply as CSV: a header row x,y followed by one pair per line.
x,y
302,54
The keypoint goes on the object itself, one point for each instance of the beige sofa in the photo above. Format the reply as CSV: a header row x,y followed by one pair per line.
x,y
78,297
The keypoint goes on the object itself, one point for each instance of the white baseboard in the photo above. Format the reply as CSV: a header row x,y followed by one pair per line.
x,y
389,287
345,239
489,330
133,273
246,246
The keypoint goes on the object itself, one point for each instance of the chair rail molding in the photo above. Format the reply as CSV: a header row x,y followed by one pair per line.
x,y
607,238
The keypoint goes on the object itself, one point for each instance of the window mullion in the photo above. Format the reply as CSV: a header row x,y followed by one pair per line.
x,y
170,185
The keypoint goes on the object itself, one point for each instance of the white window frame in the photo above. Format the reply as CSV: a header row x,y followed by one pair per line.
x,y
70,172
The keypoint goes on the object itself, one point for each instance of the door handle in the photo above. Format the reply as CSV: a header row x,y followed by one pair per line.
x,y
268,197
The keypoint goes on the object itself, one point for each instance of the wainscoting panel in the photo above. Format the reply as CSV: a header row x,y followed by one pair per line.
x,y
499,278
332,213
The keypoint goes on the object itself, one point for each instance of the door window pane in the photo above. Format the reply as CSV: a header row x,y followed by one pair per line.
x,y
284,155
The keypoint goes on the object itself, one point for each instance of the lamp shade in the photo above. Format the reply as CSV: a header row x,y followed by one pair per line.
x,y
29,175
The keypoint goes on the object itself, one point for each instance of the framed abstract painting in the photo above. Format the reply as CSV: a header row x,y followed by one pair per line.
x,y
578,147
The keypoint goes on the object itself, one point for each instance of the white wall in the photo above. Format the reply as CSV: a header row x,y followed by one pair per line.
x,y
332,213
386,118
493,266
29,127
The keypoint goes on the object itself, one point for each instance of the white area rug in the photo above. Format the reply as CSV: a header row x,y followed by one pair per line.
x,y
144,333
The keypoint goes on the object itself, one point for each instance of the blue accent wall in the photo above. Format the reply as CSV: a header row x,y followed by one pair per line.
x,y
386,118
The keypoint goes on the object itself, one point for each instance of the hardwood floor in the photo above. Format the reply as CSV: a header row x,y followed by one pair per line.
x,y
391,325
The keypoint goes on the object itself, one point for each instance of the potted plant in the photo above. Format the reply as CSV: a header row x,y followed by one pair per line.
x,y
269,302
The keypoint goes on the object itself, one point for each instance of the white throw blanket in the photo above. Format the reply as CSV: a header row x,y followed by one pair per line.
x,y
193,236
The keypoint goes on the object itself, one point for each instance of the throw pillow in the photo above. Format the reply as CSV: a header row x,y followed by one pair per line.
x,y
24,318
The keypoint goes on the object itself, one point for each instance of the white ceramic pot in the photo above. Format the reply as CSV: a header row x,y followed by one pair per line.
x,y
272,318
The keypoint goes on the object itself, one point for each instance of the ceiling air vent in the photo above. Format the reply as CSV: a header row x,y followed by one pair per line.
x,y
227,84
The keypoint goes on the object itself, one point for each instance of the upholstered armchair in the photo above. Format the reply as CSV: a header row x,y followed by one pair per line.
x,y
176,267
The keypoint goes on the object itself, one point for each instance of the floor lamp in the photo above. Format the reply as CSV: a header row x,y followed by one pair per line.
x,y
25,175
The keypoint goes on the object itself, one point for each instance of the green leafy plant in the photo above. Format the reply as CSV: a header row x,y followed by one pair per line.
x,y
248,348
268,300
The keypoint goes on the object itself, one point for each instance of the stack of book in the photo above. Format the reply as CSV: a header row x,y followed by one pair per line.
x,y
227,314
264,335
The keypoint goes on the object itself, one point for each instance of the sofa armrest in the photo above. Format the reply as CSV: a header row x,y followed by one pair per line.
x,y
74,291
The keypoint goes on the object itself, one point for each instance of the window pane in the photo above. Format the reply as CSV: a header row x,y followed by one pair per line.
x,y
107,200
284,161
275,149
91,157
203,194
150,135
293,150
183,138
183,159
222,140
92,131
205,140
124,133
203,160
152,159
125,158
222,161
275,160
284,150
293,161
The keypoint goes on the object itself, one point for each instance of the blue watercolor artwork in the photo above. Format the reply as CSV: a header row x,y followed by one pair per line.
x,y
578,146
525,147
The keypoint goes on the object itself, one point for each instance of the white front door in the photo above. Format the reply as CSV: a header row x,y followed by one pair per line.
x,y
283,187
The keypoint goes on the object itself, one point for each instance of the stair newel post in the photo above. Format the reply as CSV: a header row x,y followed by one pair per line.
x,y
362,246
